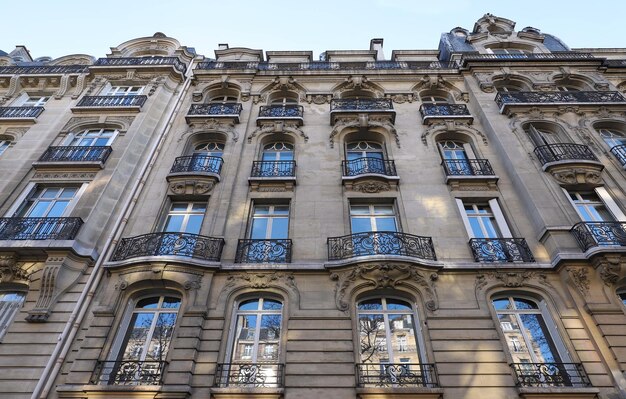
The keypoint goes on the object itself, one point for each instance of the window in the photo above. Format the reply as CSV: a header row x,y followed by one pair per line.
x,y
207,156
456,155
483,219
270,222
612,137
10,304
123,91
368,218
277,160
279,151
622,296
530,333
4,144
185,217
595,206
35,101
364,157
542,135
508,52
140,354
387,332
211,149
91,138
48,202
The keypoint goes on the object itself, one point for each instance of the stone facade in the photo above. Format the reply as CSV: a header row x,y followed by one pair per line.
x,y
270,226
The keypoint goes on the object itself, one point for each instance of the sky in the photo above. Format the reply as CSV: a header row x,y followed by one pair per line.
x,y
61,27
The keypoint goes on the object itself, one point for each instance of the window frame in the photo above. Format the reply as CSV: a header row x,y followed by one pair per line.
x,y
494,205
606,198
80,135
7,319
372,215
122,90
270,216
32,187
187,214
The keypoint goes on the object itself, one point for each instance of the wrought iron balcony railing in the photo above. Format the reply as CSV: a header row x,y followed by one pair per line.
x,y
366,165
263,251
467,167
615,63
593,234
501,250
332,66
112,101
215,109
20,112
132,61
197,163
558,97
620,153
172,244
18,228
564,152
76,154
128,372
380,243
550,375
251,375
43,70
558,56
441,111
278,111
273,169
361,104
396,375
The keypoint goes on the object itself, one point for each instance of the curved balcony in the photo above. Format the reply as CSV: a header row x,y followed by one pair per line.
x,y
263,251
380,243
202,164
564,152
194,174
390,375
595,234
550,375
69,156
527,99
620,153
501,250
372,106
367,166
117,103
128,372
143,62
213,111
278,112
20,113
169,244
469,173
436,112
570,164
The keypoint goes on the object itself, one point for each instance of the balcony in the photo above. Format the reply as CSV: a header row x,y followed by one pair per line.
x,y
128,372
43,69
20,114
19,228
280,112
186,245
355,106
528,99
391,243
74,156
214,110
142,62
194,174
110,103
392,375
620,153
570,164
549,375
437,112
263,251
328,66
358,173
501,250
469,173
598,234
557,56
280,175
249,375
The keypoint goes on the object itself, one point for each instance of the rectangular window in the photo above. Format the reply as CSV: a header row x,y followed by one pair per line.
x,y
483,219
48,202
270,222
91,138
123,91
185,217
595,206
35,101
367,218
10,304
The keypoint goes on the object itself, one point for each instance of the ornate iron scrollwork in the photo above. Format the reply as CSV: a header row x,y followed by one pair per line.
x,y
380,243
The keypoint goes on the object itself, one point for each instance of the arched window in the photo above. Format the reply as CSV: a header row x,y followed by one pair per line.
x,y
390,345
255,345
622,296
364,157
10,304
544,134
207,156
277,160
5,142
612,137
139,354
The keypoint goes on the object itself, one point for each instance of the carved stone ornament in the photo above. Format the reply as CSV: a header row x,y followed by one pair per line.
x,y
318,99
121,284
385,275
371,186
259,280
485,81
278,127
193,283
191,186
452,126
609,268
363,120
64,176
571,176
580,279
510,279
211,125
11,271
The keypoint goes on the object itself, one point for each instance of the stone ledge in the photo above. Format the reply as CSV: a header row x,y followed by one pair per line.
x,y
400,393
123,391
247,393
558,393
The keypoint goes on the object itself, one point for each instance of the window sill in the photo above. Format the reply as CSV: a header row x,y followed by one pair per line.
x,y
399,392
242,392
69,165
113,391
558,392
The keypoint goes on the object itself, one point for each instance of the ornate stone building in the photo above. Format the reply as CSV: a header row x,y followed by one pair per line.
x,y
440,224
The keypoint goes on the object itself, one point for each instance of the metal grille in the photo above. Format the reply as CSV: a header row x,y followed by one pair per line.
x,y
112,101
380,243
273,169
563,152
20,112
39,228
397,375
443,110
198,163
128,372
467,167
501,250
550,375
281,111
361,104
217,109
173,244
558,97
257,375
365,165
175,62
593,234
76,154
263,251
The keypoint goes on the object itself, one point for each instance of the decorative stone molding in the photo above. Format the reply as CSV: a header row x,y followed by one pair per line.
x,y
369,186
12,271
510,279
186,186
610,268
568,176
259,280
459,184
122,123
485,81
384,275
438,82
452,126
362,120
284,83
278,127
352,83
211,125
319,99
261,186
16,132
63,176
579,276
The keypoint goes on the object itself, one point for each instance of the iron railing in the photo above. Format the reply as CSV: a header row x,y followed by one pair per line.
x,y
257,375
112,101
281,111
361,104
550,375
564,152
444,111
263,251
130,61
19,228
20,112
365,165
396,375
467,167
128,372
215,109
173,244
273,169
615,63
380,243
593,234
501,250
620,153
558,97
197,163
76,154
43,70
330,66
560,56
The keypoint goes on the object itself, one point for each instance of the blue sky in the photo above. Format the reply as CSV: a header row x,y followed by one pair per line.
x,y
62,27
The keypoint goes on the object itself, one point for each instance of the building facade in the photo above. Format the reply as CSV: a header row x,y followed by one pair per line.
x,y
440,224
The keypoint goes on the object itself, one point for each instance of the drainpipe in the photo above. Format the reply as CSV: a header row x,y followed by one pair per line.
x,y
65,340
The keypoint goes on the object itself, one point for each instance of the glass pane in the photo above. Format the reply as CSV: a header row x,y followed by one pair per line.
x,y
161,337
244,338
194,224
270,304
50,192
281,210
57,209
476,228
12,297
360,210
171,303
280,228
179,207
372,337
371,304
383,210
251,304
269,338
137,335
403,340
386,224
259,228
148,303
361,225
524,304
174,223
500,304
490,227
199,207
39,210
542,344
396,304
261,210
68,192
514,338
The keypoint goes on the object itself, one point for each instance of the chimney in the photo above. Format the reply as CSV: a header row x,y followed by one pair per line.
x,y
377,45
222,46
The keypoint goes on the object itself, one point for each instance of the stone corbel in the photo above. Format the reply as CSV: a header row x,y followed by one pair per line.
x,y
13,86
59,274
80,85
63,86
11,271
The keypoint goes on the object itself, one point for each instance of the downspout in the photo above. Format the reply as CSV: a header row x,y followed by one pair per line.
x,y
57,358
